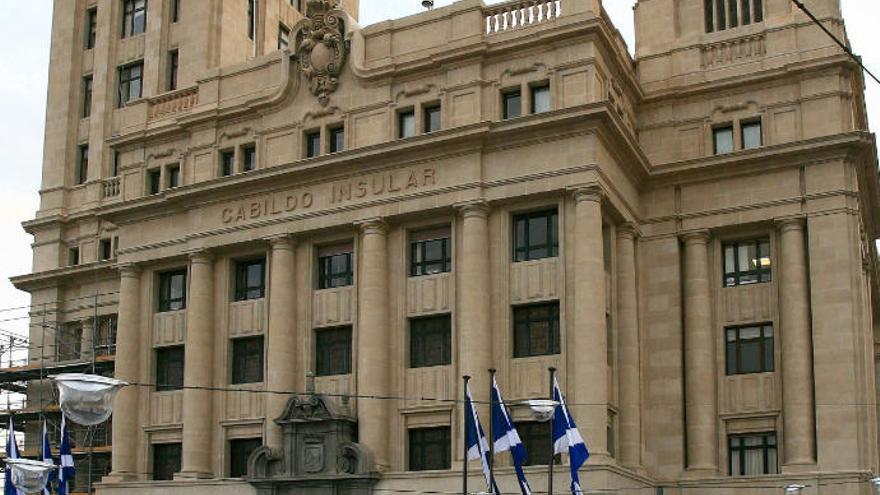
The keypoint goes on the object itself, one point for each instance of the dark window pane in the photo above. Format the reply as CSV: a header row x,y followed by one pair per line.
x,y
92,28
335,271
732,13
250,279
512,104
173,176
173,65
541,99
752,455
166,461
313,144
759,10
747,262
154,181
337,139
105,336
130,83
432,119
749,349
172,291
720,15
430,342
536,235
227,163
406,124
239,453
87,96
430,257
247,360
430,449
333,351
169,368
723,138
535,437
536,330
746,8
710,16
249,158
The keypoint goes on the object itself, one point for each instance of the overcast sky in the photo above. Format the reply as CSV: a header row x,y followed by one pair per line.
x,y
24,58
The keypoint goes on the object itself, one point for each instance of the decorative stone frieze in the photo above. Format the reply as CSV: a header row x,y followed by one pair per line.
x,y
322,47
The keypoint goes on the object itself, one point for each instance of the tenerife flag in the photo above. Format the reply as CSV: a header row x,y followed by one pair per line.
x,y
46,456
506,437
476,441
11,453
65,477
567,439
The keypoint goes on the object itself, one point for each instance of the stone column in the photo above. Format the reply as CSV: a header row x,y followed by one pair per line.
x,y
474,301
797,355
628,349
699,349
281,350
198,417
126,412
587,381
373,340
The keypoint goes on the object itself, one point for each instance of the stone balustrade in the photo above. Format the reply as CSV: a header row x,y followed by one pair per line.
x,y
521,14
732,51
112,187
172,103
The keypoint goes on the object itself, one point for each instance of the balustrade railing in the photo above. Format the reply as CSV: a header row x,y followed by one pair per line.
x,y
521,14
172,103
112,187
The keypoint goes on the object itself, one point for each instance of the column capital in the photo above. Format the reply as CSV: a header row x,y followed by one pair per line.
x,y
200,256
477,208
372,226
628,230
281,241
129,270
593,193
696,237
788,224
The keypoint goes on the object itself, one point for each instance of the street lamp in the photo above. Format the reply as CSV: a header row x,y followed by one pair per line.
x,y
793,489
541,409
87,399
876,482
30,476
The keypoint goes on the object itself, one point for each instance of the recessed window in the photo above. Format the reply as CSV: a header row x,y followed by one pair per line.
x,y
250,279
73,256
430,449
337,139
247,360
406,123
131,79
154,181
723,139
430,341
747,262
535,437
511,103
252,18
721,15
536,330
116,162
240,451
749,349
134,17
753,454
68,342
227,163
333,351
541,98
430,252
166,461
91,27
169,368
87,96
751,135
106,249
313,144
335,267
82,164
249,158
172,291
173,174
173,68
432,118
105,335
175,10
283,37
536,235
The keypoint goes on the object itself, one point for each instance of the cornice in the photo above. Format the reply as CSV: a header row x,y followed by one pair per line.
x,y
57,276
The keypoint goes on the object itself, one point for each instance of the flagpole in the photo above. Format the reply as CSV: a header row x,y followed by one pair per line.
x,y
552,443
464,470
491,431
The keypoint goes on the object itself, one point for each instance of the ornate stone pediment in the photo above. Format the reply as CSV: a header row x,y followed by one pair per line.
x,y
322,47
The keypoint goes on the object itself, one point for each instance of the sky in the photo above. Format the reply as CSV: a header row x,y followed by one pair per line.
x,y
25,29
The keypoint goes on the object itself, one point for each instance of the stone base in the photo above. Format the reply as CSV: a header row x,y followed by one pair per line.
x,y
192,475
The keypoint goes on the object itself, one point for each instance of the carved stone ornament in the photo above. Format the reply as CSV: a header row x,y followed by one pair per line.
x,y
322,47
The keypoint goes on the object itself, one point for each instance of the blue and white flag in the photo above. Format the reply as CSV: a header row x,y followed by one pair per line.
x,y
11,453
567,439
506,437
46,456
476,441
67,472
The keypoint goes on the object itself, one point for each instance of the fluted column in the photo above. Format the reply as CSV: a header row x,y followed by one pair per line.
x,y
699,343
281,350
125,409
373,341
588,353
474,326
628,349
797,355
198,417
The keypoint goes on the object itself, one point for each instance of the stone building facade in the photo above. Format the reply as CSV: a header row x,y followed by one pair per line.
x,y
273,199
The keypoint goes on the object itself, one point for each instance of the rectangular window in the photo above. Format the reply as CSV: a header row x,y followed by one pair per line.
x,y
73,256
333,351
432,118
430,253
723,139
105,336
173,174
511,103
172,291
169,368
535,437
252,18
536,330
87,97
721,15
115,164
337,139
134,17
247,360
250,279
239,452
710,15
536,235
429,449
746,9
249,158
106,249
747,262
541,98
166,461
751,135
82,164
759,11
749,349
173,67
732,13
175,10
283,37
313,144
154,181
335,269
227,163
406,123
68,342
131,79
753,454
91,27
430,341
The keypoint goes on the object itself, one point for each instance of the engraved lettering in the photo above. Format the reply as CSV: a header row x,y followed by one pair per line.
x,y
255,210
361,189
291,202
227,215
391,187
240,216
275,210
380,189
429,177
307,200
412,181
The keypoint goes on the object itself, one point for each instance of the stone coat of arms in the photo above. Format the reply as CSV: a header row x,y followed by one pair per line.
x,y
322,47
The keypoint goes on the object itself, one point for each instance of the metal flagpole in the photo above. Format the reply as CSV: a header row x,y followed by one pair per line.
x,y
491,431
552,444
464,471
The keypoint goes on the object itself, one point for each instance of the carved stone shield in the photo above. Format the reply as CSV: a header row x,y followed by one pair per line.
x,y
322,47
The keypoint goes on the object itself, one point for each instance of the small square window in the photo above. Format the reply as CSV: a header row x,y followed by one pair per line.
x,y
249,158
535,437
240,451
227,163
313,144
752,454
749,349
406,123
173,172
432,118
169,368
154,181
333,351
172,291
511,102
247,360
536,235
337,139
751,135
430,341
335,268
723,139
536,330
250,279
106,249
166,461
541,98
430,449
747,262
430,253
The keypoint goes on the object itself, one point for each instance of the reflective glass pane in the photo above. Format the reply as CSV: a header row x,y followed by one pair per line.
x,y
723,140
729,260
751,135
407,124
541,99
538,231
750,356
